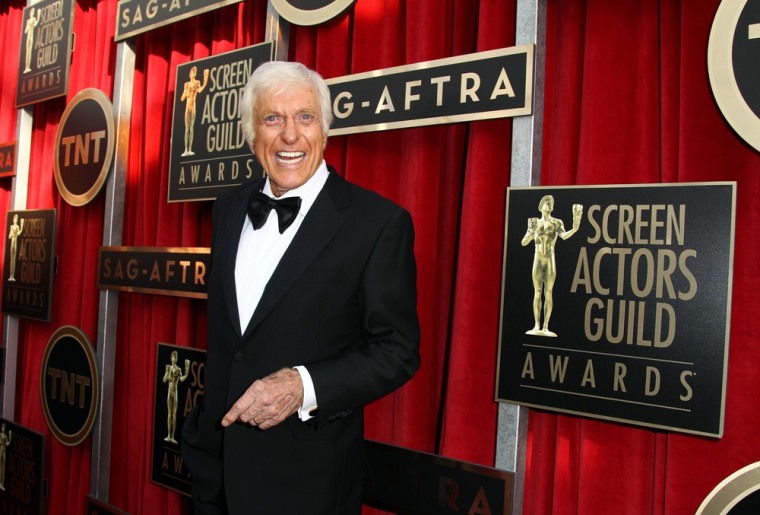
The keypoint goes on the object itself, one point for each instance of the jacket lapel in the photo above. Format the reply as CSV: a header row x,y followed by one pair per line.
x,y
320,225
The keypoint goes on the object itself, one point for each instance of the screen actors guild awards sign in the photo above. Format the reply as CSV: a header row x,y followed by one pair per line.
x,y
29,263
46,39
733,52
69,385
84,146
208,151
180,377
616,302
22,470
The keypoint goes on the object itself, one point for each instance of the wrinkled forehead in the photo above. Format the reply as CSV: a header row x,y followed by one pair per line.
x,y
287,96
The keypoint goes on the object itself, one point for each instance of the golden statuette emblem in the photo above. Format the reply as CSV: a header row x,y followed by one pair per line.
x,y
543,232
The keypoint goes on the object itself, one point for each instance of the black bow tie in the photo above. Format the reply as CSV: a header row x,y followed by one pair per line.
x,y
260,204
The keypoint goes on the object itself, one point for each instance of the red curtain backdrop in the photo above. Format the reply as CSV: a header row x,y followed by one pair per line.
x,y
627,101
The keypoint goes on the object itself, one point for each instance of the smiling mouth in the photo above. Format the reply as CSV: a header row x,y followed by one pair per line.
x,y
290,158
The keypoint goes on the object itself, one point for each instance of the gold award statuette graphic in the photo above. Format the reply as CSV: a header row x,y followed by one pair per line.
x,y
190,92
15,231
179,381
173,375
543,232
31,23
5,441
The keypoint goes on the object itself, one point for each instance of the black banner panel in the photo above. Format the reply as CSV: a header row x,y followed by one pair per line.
x,y
29,264
481,86
45,52
138,16
416,483
208,153
616,302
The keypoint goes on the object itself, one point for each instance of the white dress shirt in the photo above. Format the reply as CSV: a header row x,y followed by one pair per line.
x,y
259,253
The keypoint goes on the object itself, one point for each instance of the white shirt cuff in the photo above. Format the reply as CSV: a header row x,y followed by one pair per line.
x,y
309,395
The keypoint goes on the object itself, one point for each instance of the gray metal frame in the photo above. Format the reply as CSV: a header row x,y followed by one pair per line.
x,y
19,190
108,308
512,432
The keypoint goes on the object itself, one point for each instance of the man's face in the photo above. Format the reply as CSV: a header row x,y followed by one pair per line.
x,y
289,138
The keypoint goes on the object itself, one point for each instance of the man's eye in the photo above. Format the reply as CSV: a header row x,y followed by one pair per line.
x,y
305,118
273,119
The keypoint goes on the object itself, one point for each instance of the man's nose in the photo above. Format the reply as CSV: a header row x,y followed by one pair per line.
x,y
290,131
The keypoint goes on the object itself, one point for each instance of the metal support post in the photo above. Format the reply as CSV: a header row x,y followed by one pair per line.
x,y
109,300
512,433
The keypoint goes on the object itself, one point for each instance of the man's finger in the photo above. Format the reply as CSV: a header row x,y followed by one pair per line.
x,y
241,405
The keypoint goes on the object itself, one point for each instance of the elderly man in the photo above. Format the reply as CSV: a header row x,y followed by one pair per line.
x,y
311,315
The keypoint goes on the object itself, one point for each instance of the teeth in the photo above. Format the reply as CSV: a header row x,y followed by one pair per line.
x,y
290,155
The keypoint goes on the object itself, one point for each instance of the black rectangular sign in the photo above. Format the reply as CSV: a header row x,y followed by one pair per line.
x,y
8,159
180,377
208,152
29,263
416,483
138,16
46,43
95,507
174,271
482,86
627,318
22,483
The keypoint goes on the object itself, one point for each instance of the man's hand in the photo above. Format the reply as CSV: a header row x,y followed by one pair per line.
x,y
268,401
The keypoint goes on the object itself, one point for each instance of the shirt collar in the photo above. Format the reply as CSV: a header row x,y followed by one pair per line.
x,y
308,191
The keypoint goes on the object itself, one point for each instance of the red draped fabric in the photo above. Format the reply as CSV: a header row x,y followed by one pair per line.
x,y
627,101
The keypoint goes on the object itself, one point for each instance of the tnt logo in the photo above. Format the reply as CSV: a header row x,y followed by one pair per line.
x,y
733,53
69,385
84,146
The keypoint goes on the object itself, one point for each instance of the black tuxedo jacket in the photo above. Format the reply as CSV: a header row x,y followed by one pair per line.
x,y
341,302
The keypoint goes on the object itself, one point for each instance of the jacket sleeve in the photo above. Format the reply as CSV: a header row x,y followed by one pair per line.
x,y
387,355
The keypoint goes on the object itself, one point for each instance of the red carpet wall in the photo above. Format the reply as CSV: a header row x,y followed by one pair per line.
x,y
627,101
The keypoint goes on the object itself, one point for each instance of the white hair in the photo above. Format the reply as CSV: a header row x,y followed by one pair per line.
x,y
279,75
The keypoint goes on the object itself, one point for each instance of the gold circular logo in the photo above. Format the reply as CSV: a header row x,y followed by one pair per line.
x,y
733,51
69,385
739,492
84,146
310,12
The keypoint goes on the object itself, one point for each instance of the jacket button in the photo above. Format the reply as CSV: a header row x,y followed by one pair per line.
x,y
238,356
